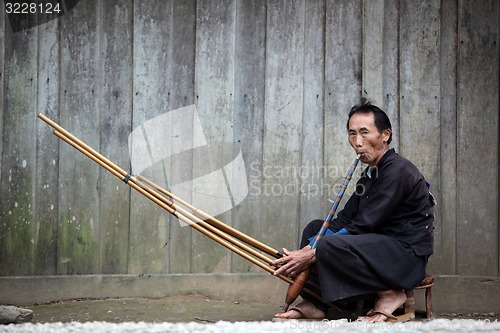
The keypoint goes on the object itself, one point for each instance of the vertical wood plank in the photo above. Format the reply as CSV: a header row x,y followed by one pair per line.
x,y
115,108
420,88
373,50
380,59
445,256
214,86
181,94
419,79
2,78
477,133
249,93
152,73
17,227
78,238
343,79
311,172
46,190
390,70
282,122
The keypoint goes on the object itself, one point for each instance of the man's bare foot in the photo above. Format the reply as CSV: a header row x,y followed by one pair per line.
x,y
388,301
303,310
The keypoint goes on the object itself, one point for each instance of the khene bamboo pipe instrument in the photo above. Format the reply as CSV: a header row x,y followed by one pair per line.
x,y
296,288
223,234
169,206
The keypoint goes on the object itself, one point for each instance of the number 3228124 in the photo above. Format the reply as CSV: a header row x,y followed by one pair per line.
x,y
31,8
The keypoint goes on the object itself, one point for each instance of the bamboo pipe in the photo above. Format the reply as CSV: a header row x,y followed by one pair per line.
x,y
235,233
159,199
196,225
169,209
62,132
190,219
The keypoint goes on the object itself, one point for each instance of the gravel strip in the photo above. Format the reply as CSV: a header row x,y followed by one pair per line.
x,y
338,326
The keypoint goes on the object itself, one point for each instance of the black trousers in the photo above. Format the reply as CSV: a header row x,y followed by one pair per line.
x,y
350,266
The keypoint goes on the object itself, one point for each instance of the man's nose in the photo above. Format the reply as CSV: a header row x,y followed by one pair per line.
x,y
359,141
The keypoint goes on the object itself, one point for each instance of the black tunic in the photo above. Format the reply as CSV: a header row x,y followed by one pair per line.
x,y
390,222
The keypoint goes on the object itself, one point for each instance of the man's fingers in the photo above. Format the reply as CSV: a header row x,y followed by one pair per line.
x,y
283,270
279,271
290,264
289,269
282,260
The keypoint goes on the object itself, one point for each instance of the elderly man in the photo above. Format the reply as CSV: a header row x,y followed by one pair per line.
x,y
380,242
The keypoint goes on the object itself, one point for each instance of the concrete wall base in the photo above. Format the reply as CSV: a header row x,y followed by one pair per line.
x,y
451,294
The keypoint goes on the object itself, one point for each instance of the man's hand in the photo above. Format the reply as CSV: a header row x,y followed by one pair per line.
x,y
294,262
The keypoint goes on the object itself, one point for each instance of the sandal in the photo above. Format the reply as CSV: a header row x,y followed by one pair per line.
x,y
392,318
302,316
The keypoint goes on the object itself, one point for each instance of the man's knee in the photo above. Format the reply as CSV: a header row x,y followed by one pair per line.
x,y
331,246
310,230
314,226
324,243
322,248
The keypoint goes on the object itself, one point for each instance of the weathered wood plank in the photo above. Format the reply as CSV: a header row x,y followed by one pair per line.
x,y
214,86
282,122
380,59
2,77
152,73
420,88
390,70
477,136
373,50
445,256
46,190
78,234
343,79
311,172
115,109
17,227
420,85
3,19
249,115
181,94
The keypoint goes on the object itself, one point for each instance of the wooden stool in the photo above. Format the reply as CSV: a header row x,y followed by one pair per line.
x,y
409,305
426,284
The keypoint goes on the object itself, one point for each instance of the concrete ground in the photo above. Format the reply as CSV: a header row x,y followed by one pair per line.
x,y
232,303
177,309
203,314
174,309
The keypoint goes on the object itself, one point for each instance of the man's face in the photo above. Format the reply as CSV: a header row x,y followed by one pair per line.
x,y
365,138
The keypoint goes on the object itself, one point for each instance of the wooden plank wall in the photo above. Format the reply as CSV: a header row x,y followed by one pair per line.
x,y
276,79
477,94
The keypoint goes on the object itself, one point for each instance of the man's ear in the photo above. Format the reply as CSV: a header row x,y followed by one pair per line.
x,y
387,134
